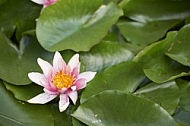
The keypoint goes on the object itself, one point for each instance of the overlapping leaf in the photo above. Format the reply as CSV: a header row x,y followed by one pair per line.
x,y
105,54
19,15
75,24
157,66
150,20
16,63
117,77
24,92
16,113
182,114
166,95
179,49
111,108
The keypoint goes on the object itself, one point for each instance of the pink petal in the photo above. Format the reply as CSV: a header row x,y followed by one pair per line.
x,y
45,66
74,62
37,78
88,76
73,95
80,84
58,62
50,91
42,98
63,90
63,102
67,70
75,72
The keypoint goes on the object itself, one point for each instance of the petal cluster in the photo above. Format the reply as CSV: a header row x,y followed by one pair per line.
x,y
45,3
60,79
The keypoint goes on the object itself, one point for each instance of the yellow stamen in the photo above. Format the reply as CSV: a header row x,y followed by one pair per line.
x,y
62,80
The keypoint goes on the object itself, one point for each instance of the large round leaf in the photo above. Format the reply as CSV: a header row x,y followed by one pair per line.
x,y
124,77
18,15
75,24
17,63
166,95
179,50
105,54
17,113
116,108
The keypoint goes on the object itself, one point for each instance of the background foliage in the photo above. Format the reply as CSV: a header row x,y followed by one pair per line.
x,y
140,49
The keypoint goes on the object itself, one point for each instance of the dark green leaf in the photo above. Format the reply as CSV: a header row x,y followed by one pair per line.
x,y
151,19
166,94
105,54
75,24
182,114
16,113
19,15
125,77
16,63
142,34
116,108
24,92
179,49
159,67
60,118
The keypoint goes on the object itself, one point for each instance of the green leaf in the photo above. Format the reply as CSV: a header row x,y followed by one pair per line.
x,y
125,77
183,112
147,10
24,92
149,20
166,94
179,49
2,1
75,24
60,118
159,67
16,63
17,113
18,16
184,87
111,108
105,54
142,34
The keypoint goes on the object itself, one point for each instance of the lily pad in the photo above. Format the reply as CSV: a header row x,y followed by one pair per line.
x,y
124,77
75,24
159,67
166,95
16,63
149,20
18,16
105,54
116,108
179,50
183,112
17,113
24,92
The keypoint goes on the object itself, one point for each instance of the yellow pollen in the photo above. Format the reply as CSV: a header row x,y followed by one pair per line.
x,y
62,80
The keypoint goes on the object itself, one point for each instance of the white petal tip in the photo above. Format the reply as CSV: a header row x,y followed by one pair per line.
x,y
63,107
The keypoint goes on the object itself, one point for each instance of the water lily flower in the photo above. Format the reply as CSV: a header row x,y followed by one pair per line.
x,y
45,3
60,79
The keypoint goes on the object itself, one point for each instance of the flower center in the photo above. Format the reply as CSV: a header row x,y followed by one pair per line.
x,y
62,80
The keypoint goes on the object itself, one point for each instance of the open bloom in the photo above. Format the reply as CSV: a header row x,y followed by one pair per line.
x,y
45,3
61,79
